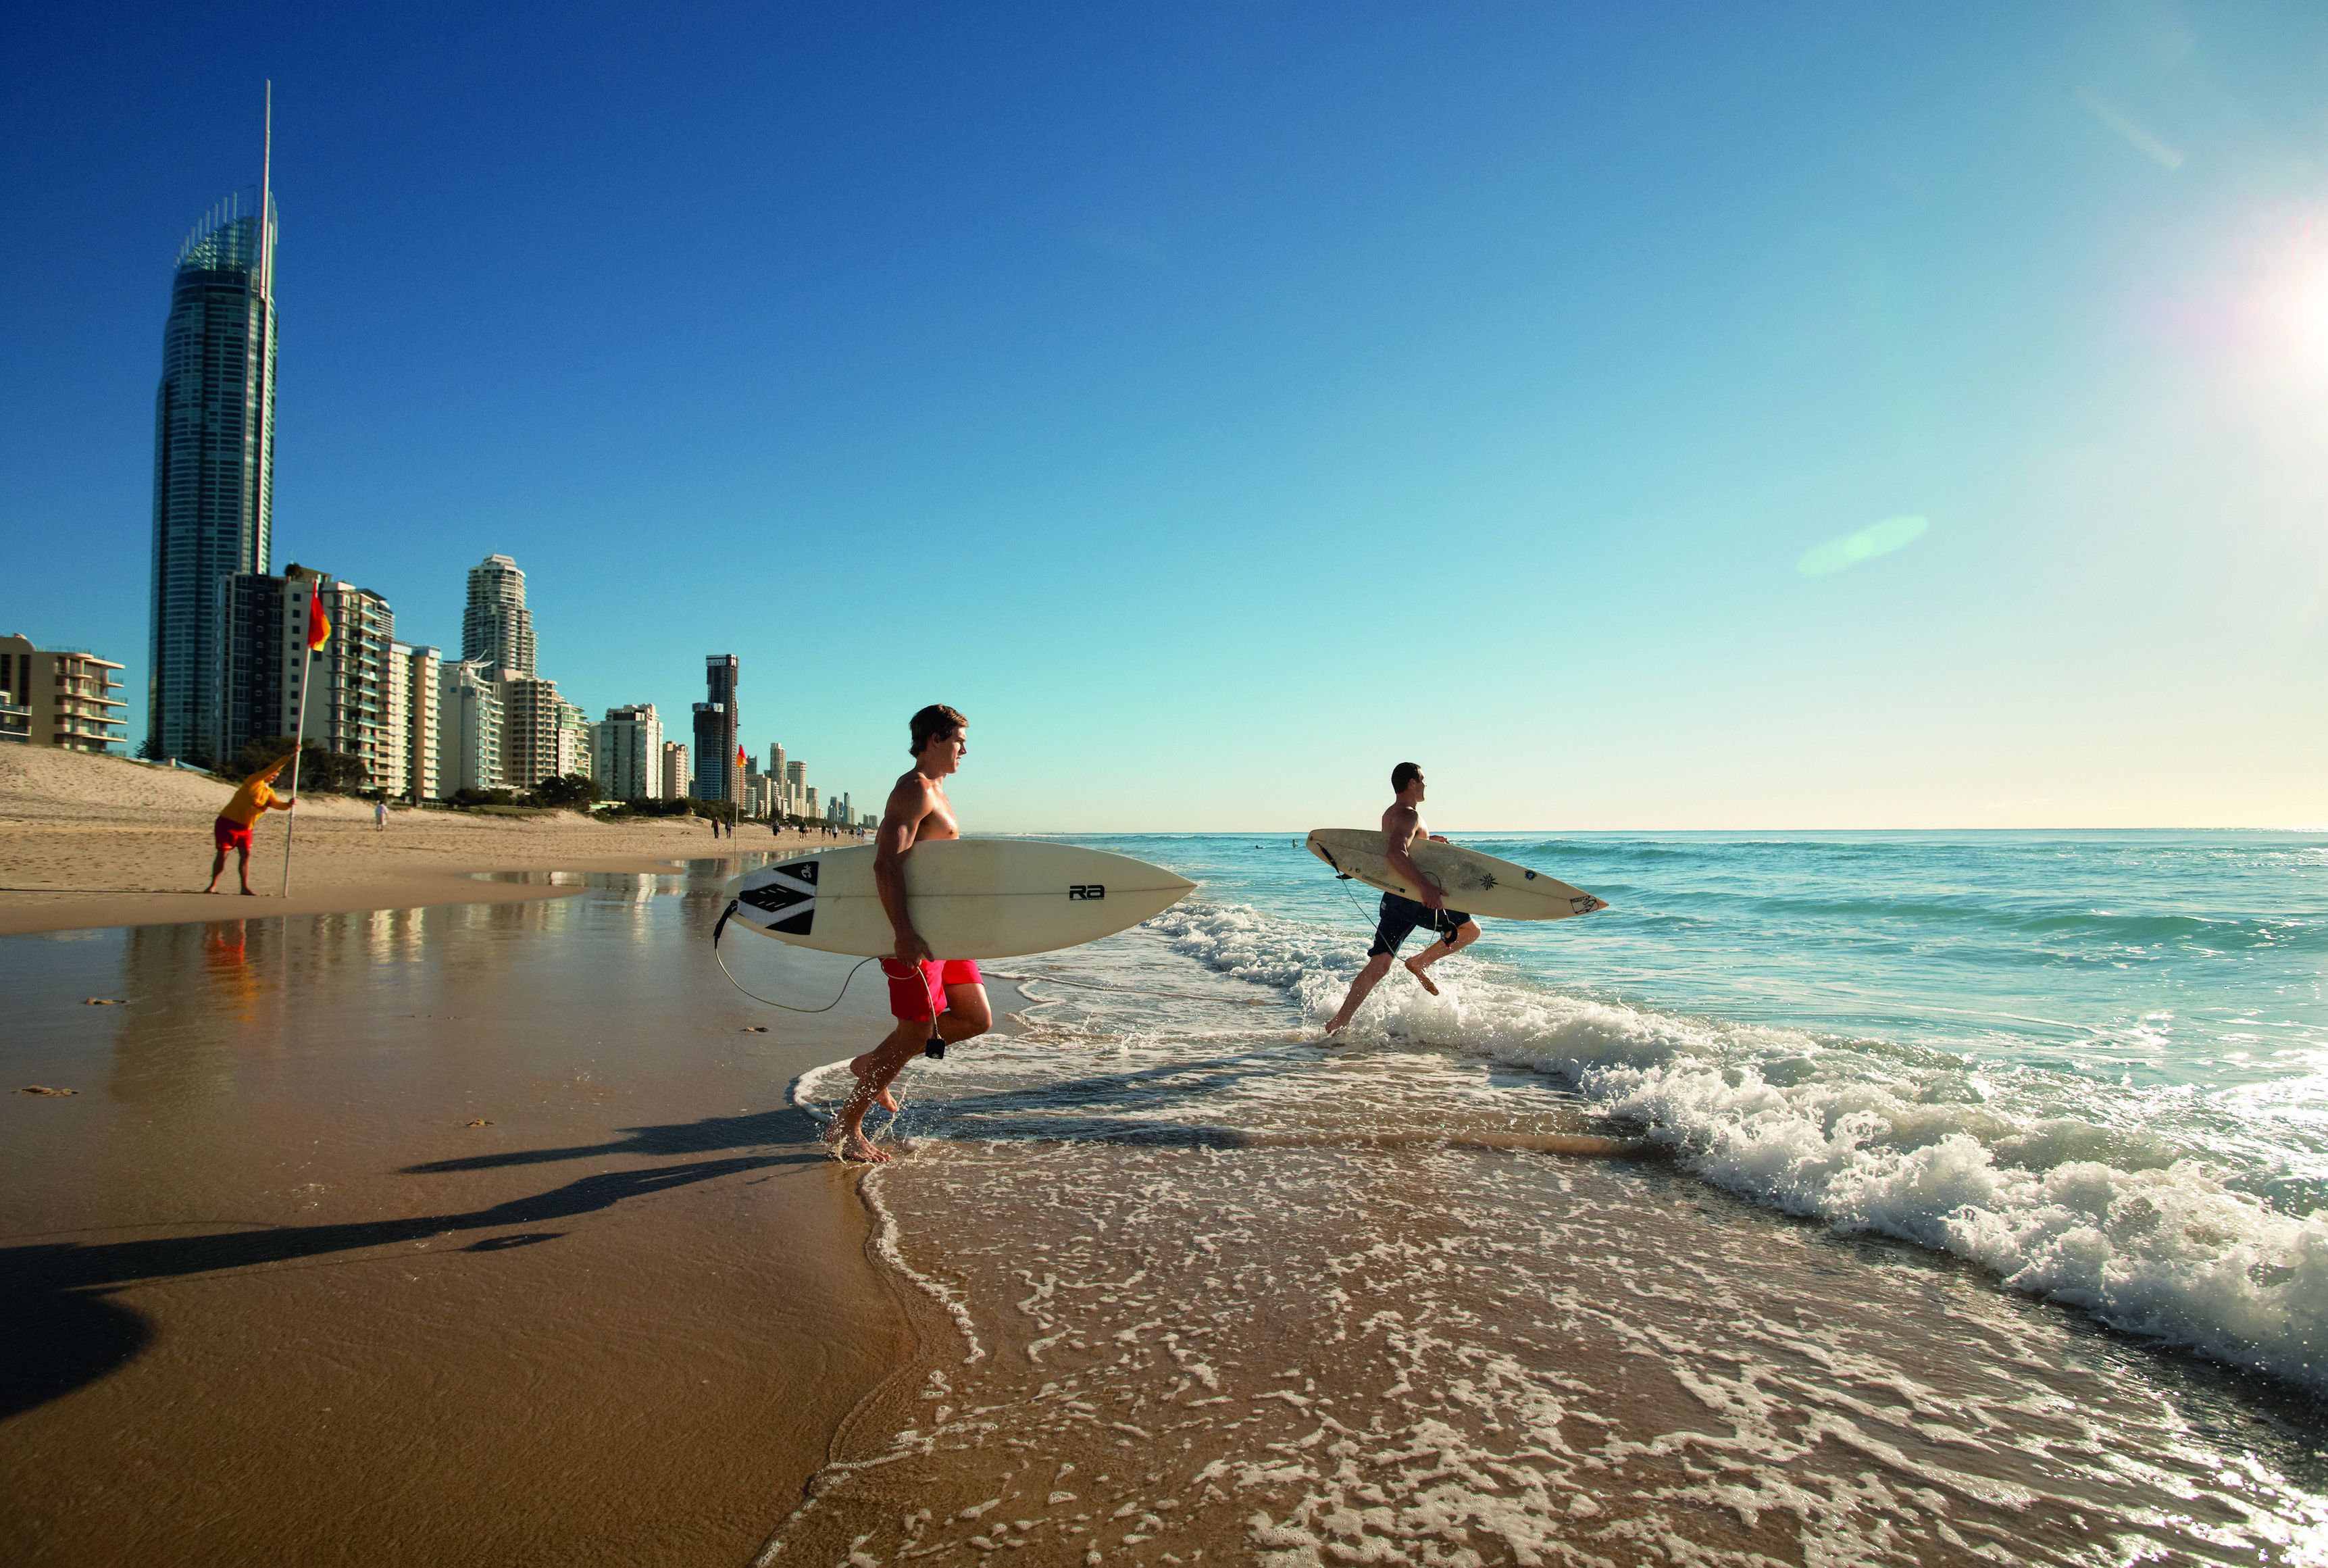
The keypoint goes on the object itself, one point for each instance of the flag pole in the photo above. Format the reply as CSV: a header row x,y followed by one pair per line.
x,y
298,745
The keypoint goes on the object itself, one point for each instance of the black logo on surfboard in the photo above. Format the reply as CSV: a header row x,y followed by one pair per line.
x,y
1083,890
788,899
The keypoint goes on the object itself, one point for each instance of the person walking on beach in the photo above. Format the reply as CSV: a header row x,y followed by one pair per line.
x,y
1402,826
936,1001
253,800
379,816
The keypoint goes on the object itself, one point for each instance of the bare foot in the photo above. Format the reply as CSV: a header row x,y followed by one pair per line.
x,y
881,1096
1338,1025
1418,974
859,1147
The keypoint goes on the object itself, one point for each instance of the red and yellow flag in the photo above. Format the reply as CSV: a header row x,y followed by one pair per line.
x,y
319,624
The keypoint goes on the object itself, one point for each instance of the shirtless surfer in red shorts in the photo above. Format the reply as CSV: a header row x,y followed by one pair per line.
x,y
936,1001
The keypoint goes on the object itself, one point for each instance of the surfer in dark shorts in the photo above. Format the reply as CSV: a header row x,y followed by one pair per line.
x,y
1402,826
936,1001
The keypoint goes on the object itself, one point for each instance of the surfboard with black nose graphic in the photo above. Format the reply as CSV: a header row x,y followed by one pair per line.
x,y
1474,883
967,897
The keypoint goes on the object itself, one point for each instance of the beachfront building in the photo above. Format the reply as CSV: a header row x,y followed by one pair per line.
x,y
808,808
468,728
627,753
496,628
573,742
213,464
796,789
347,706
58,696
531,711
675,777
263,658
716,721
412,702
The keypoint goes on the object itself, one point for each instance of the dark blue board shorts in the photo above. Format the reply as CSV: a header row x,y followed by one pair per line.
x,y
1400,915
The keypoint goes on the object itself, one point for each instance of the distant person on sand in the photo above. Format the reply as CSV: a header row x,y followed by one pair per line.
x,y
936,1001
379,816
1401,826
253,800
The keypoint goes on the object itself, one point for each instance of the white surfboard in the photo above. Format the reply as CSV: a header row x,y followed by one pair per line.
x,y
968,898
1474,883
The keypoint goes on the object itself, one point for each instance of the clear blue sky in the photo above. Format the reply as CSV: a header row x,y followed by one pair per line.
x,y
1221,403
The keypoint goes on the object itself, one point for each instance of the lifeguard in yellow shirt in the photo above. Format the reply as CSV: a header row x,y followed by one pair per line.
x,y
253,800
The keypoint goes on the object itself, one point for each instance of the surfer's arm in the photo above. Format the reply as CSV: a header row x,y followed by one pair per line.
x,y
1399,825
899,821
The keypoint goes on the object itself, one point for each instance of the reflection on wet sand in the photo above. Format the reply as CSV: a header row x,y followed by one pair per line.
x,y
494,1205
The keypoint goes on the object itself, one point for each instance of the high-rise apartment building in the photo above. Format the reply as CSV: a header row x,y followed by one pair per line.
x,y
796,788
573,742
627,751
496,628
58,697
213,460
263,659
716,727
347,708
468,729
675,775
413,672
532,715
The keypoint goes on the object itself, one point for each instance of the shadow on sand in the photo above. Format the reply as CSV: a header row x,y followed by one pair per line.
x,y
64,1333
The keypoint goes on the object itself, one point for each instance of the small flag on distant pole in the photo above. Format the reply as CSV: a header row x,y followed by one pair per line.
x,y
319,624
319,632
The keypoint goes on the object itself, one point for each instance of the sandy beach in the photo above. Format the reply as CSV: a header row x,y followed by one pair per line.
x,y
90,842
479,1234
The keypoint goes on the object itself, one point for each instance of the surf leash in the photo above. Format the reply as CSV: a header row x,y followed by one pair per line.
x,y
1134,990
717,930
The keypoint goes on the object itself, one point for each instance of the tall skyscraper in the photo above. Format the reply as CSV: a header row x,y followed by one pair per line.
x,y
213,457
496,628
716,727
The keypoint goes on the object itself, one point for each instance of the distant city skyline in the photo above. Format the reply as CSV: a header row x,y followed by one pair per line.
x,y
1810,419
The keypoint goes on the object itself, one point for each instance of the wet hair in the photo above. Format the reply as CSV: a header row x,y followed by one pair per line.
x,y
935,722
1404,773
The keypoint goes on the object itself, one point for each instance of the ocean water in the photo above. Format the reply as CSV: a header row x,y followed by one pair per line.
x,y
1839,1197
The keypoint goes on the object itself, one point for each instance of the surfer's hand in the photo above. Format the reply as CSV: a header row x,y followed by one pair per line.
x,y
912,949
1429,898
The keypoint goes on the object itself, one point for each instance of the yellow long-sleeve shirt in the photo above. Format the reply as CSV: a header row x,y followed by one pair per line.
x,y
252,801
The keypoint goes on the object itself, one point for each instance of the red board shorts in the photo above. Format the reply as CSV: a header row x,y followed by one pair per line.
x,y
917,990
229,834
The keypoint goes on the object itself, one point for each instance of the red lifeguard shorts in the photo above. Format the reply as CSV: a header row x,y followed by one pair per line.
x,y
229,834
917,990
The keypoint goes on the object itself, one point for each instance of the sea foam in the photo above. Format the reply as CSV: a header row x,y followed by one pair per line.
x,y
2056,1183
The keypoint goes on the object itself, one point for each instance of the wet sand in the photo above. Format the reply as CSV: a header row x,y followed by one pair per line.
x,y
88,842
1209,1292
479,1234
